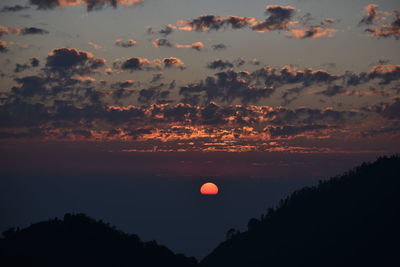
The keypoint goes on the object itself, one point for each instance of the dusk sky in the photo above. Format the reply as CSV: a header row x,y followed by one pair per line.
x,y
110,89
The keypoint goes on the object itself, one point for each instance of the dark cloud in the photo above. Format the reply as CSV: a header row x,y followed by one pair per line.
x,y
392,111
15,8
30,86
90,4
34,62
162,42
135,64
333,90
290,75
211,22
154,94
217,47
126,43
72,61
33,30
291,94
225,87
288,130
220,64
225,64
279,18
157,77
123,85
167,30
21,31
386,73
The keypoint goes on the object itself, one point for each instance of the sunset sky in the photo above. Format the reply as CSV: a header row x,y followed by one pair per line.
x,y
93,86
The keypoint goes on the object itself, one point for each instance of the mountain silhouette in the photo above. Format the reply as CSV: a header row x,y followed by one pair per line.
x,y
348,220
78,240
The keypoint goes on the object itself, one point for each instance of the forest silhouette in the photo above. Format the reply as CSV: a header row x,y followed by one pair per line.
x,y
348,220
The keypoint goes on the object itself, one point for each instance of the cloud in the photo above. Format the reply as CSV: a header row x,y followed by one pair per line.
x,y
91,5
154,94
3,46
389,111
386,73
217,47
225,87
280,18
167,30
162,42
288,130
34,62
138,64
371,14
312,32
196,46
211,22
377,25
220,64
72,61
333,90
95,46
21,31
392,111
15,8
125,44
225,64
157,77
175,62
135,63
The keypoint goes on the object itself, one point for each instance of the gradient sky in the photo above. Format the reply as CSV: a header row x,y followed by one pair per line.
x,y
156,88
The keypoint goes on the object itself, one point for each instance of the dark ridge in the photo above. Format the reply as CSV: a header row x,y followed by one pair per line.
x,y
78,240
349,220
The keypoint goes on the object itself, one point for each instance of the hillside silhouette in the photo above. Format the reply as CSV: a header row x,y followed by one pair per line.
x,y
349,220
78,240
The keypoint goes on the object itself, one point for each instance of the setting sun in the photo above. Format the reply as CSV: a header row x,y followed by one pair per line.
x,y
209,189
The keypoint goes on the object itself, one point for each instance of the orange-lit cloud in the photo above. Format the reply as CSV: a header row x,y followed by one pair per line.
x,y
196,46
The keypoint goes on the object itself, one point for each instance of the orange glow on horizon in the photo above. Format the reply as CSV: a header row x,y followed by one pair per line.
x,y
209,189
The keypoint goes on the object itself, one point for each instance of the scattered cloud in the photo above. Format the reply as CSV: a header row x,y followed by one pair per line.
x,y
377,25
280,18
21,31
68,61
126,43
15,8
91,5
198,46
220,46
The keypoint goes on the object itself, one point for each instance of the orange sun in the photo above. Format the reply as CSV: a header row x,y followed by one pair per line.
x,y
209,189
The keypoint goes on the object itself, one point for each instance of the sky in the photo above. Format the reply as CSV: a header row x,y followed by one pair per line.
x,y
103,96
